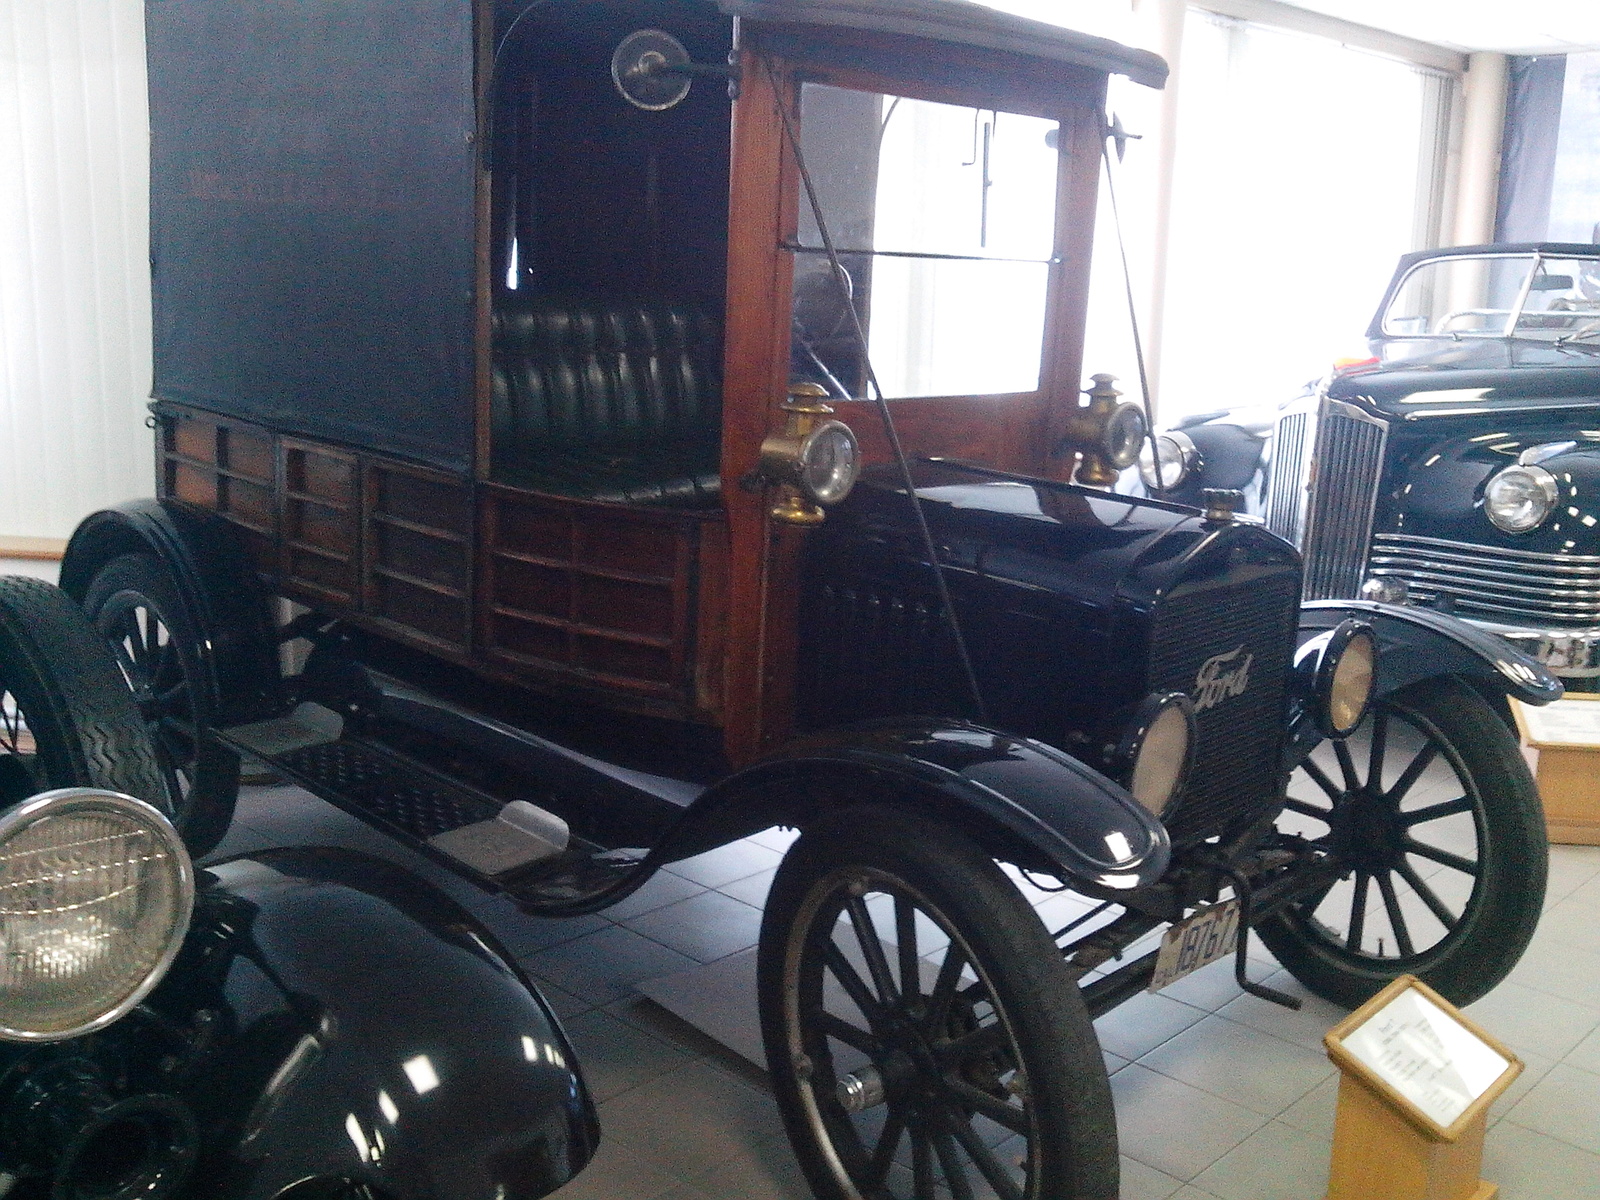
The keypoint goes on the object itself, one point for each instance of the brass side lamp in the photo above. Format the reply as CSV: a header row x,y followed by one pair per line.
x,y
812,461
1105,434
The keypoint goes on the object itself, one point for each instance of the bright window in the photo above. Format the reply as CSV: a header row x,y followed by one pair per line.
x,y
1297,186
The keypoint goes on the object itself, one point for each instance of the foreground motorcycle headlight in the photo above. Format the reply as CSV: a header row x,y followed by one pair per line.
x,y
1340,670
95,895
1177,455
1520,498
1157,748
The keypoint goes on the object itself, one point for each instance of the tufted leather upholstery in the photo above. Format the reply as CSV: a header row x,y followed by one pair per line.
x,y
607,402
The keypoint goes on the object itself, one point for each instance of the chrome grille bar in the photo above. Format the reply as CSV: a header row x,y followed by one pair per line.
x,y
1286,490
1487,580
1346,461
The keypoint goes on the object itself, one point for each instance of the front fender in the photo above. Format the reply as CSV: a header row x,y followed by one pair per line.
x,y
1419,643
371,1031
216,584
1020,799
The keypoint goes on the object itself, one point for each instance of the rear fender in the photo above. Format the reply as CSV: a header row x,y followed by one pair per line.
x,y
216,583
1419,643
368,1029
1023,801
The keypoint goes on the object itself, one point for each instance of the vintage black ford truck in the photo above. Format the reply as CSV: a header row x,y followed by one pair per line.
x,y
591,431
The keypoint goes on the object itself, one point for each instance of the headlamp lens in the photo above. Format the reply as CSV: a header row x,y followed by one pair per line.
x,y
1161,758
1351,687
829,463
1520,498
1175,462
95,895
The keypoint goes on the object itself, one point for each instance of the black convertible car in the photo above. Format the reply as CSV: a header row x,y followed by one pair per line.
x,y
1458,468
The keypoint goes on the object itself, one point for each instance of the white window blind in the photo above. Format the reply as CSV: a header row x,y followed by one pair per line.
x,y
74,262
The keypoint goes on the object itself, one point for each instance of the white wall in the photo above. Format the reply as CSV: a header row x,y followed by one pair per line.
x,y
74,262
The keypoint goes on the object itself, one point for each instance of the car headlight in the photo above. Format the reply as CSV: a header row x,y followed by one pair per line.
x,y
1338,670
95,895
1157,748
1178,457
1520,498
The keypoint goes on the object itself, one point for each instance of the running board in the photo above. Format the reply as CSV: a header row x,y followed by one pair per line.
x,y
515,848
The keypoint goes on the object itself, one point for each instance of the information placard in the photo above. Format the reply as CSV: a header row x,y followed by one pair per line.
x,y
1571,721
1426,1056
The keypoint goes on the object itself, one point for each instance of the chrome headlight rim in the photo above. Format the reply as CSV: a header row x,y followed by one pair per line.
x,y
1154,713
62,802
806,460
1184,460
1326,682
1541,486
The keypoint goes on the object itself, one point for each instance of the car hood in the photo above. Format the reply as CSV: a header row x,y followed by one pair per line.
x,y
1427,377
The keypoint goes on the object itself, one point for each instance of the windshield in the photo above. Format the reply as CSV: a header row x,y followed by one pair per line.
x,y
944,218
1483,295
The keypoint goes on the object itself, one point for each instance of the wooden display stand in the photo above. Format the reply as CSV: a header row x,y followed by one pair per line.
x,y
1417,1081
1567,736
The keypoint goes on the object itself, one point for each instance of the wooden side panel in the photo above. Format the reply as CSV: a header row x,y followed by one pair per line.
x,y
226,466
321,523
416,554
591,594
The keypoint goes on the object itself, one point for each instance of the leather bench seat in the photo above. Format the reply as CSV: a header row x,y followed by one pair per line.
x,y
614,402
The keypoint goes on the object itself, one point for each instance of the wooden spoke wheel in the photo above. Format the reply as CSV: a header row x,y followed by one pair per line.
x,y
1432,810
923,1036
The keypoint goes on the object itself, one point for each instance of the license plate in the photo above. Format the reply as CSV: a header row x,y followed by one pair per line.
x,y
1196,941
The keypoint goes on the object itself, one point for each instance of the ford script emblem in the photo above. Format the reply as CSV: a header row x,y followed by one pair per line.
x,y
1221,676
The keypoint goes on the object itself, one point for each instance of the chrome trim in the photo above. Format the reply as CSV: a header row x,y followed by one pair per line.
x,y
1494,582
1569,653
1543,557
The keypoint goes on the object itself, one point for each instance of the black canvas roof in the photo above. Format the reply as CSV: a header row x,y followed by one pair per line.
x,y
966,24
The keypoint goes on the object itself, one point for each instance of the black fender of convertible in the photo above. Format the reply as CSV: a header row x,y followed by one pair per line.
x,y
368,1030
1023,801
1419,643
216,583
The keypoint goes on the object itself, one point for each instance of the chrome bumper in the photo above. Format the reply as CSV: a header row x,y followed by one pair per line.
x,y
1569,653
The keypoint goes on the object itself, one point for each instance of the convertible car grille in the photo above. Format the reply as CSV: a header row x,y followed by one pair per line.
x,y
1323,489
1237,630
1286,495
1491,583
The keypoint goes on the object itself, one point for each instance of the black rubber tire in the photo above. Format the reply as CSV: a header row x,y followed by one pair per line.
x,y
60,689
1057,1100
1493,922
174,689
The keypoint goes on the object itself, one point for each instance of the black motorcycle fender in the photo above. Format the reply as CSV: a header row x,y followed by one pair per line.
x,y
216,583
1022,800
372,1031
1419,643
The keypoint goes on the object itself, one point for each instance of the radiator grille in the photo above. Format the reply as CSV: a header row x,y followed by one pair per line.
x,y
1249,614
1486,581
1344,487
1286,492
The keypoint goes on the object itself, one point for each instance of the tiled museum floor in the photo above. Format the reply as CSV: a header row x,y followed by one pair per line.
x,y
1220,1096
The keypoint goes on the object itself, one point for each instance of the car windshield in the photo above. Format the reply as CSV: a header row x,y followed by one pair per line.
x,y
1498,295
944,219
